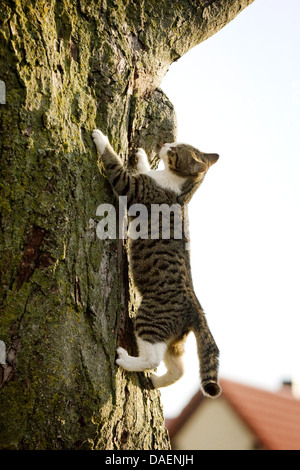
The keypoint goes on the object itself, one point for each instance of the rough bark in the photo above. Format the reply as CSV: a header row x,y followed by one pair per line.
x,y
71,66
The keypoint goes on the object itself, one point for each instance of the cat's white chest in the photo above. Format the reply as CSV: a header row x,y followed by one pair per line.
x,y
166,180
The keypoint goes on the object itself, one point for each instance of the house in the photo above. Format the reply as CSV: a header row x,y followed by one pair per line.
x,y
242,418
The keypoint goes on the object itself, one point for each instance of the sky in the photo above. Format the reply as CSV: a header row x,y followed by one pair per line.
x,y
238,94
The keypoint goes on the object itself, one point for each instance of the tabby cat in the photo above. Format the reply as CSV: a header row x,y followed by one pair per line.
x,y
160,266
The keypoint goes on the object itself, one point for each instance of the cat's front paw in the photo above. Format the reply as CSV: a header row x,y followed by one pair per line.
x,y
142,161
100,140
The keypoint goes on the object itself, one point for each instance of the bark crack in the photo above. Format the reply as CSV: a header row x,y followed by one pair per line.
x,y
32,257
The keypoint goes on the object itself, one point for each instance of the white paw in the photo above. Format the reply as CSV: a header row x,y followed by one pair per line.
x,y
141,154
100,140
123,357
142,163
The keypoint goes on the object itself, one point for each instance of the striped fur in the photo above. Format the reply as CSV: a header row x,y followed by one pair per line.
x,y
160,267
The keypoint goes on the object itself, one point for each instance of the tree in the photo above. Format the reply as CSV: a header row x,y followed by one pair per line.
x,y
66,297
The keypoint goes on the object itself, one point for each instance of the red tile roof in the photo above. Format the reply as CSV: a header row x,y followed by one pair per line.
x,y
273,417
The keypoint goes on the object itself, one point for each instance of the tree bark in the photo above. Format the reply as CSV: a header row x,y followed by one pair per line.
x,y
66,301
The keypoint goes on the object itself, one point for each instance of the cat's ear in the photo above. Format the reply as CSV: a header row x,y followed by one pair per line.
x,y
188,165
195,168
212,158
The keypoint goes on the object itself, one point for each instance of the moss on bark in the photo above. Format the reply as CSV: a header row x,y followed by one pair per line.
x,y
70,67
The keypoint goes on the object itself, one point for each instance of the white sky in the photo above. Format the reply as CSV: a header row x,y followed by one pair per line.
x,y
238,94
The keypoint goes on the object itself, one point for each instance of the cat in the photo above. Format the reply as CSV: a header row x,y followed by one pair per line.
x,y
160,267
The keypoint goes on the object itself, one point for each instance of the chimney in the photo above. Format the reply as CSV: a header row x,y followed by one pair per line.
x,y
291,388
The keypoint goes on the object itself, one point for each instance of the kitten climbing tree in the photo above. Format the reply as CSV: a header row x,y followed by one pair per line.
x,y
66,68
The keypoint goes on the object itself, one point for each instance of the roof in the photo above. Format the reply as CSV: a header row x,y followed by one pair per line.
x,y
273,417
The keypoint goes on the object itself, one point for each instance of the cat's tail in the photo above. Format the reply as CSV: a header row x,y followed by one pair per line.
x,y
208,353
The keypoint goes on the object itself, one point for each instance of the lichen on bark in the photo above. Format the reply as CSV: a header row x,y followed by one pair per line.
x,y
65,295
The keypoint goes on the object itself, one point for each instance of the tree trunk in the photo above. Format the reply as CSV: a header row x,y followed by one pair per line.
x,y
66,302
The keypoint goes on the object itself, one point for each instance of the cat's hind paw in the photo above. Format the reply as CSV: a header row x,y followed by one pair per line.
x,y
100,140
123,357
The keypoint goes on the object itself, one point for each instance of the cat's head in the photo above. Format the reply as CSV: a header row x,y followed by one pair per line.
x,y
185,160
